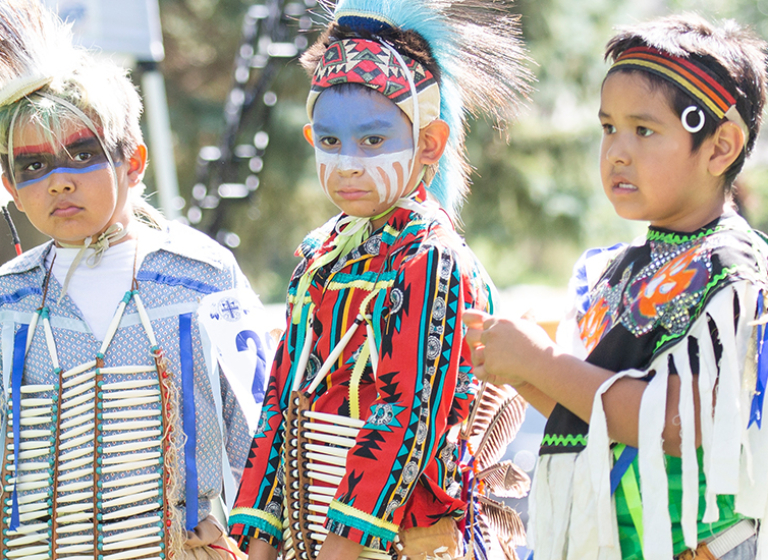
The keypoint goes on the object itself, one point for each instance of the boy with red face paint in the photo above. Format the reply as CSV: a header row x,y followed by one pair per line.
x,y
118,426
663,351
358,454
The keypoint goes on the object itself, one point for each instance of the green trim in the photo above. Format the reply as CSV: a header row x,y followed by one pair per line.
x,y
676,238
372,528
256,521
565,441
708,288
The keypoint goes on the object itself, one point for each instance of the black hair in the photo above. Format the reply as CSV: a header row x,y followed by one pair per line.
x,y
733,53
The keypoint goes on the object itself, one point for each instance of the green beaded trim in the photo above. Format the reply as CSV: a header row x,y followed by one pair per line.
x,y
677,239
564,441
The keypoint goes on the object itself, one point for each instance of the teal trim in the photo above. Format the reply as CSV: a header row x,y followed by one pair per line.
x,y
251,521
361,525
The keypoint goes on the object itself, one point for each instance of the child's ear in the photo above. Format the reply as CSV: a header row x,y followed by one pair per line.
x,y
137,164
727,145
433,139
13,192
308,134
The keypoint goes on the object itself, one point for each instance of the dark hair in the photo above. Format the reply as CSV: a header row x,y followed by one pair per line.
x,y
733,53
407,42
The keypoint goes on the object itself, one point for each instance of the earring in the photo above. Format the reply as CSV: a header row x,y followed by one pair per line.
x,y
684,119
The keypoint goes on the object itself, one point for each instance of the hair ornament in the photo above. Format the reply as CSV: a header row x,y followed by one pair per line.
x,y
692,76
684,118
476,45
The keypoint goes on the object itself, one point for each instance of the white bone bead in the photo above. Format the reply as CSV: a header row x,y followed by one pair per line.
x,y
352,422
75,497
133,384
87,460
74,517
29,403
28,539
133,457
331,429
77,421
128,369
335,480
341,461
318,528
131,523
79,369
127,535
319,509
25,487
75,508
129,490
30,498
320,498
132,394
134,425
32,477
128,436
29,466
130,466
140,541
127,512
327,450
75,486
80,399
24,517
87,438
89,406
132,499
124,414
74,528
29,412
335,440
316,519
23,455
77,431
144,321
26,507
26,552
75,454
26,529
79,389
327,490
131,446
76,539
71,549
128,554
130,480
32,421
26,445
130,402
31,434
31,389
75,474
77,380
327,469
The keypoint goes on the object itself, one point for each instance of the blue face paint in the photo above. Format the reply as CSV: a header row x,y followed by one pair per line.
x,y
84,155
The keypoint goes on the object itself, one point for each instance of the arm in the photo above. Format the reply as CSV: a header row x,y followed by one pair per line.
x,y
518,352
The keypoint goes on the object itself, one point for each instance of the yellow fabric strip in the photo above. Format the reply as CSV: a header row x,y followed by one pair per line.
x,y
349,511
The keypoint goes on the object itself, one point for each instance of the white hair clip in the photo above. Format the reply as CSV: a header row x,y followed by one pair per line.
x,y
699,125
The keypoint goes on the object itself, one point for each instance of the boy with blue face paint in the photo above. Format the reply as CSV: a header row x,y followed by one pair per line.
x,y
358,453
119,425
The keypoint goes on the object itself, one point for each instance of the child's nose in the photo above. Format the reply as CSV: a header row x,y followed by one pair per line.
x,y
618,152
350,166
60,182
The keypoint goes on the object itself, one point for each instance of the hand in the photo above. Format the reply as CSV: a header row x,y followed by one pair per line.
x,y
507,351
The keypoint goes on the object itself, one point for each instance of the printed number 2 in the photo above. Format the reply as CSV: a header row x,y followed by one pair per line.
x,y
260,375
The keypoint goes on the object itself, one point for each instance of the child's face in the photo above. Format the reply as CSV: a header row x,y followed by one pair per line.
x,y
646,164
363,147
68,191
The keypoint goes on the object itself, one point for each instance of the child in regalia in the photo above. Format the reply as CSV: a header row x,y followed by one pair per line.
x,y
654,446
117,425
358,453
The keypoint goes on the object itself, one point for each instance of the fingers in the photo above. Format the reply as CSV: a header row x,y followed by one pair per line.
x,y
474,318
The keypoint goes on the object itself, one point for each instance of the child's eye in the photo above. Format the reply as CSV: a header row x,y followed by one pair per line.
x,y
373,140
642,131
32,167
329,141
608,129
82,157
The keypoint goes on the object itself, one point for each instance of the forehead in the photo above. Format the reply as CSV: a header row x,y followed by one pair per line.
x,y
358,109
634,92
34,138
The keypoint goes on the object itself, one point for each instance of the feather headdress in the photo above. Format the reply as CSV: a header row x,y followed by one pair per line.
x,y
476,45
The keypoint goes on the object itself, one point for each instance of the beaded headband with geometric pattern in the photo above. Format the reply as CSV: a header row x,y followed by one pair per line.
x,y
691,76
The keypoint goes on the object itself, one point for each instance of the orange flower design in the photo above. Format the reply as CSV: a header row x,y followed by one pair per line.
x,y
593,324
671,280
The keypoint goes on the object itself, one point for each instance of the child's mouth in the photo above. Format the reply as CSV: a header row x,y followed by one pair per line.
x,y
624,187
65,211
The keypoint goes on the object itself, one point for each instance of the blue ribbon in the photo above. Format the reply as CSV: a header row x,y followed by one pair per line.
x,y
756,414
188,418
19,354
621,465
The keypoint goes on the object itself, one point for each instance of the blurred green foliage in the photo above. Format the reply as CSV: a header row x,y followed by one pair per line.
x,y
536,202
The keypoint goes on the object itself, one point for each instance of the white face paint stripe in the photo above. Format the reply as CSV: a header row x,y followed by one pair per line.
x,y
381,170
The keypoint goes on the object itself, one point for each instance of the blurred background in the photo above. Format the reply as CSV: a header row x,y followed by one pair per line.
x,y
225,106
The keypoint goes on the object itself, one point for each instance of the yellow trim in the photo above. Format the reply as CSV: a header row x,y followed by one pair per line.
x,y
361,284
263,515
367,517
677,78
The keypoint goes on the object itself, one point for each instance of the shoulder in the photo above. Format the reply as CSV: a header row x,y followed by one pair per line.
x,y
178,241
28,260
316,239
